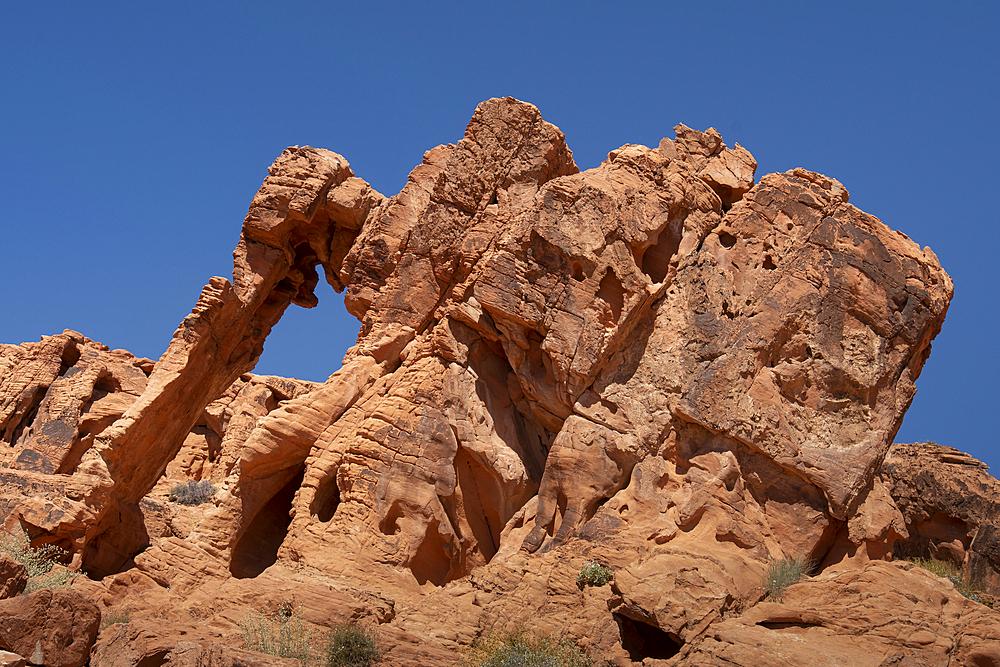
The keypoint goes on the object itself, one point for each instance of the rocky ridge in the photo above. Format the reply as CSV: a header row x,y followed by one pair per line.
x,y
656,364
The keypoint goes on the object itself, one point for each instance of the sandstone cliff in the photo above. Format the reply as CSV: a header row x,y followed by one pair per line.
x,y
656,364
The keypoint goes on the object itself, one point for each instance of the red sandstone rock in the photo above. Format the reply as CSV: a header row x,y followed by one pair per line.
x,y
128,645
885,614
13,577
951,505
51,627
654,363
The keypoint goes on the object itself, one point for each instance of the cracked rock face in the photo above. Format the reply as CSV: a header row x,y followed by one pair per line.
x,y
656,363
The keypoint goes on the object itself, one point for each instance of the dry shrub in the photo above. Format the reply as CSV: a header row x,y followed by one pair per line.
x,y
523,649
40,562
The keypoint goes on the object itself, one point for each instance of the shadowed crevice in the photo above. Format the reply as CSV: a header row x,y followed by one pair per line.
x,y
257,548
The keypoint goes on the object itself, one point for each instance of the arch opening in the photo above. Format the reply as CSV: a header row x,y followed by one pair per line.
x,y
309,343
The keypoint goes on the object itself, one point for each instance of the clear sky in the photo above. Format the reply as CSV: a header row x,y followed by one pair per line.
x,y
133,138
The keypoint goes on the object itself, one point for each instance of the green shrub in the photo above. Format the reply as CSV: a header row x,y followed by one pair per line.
x,y
114,616
593,574
522,649
971,588
192,492
783,573
352,646
38,561
283,634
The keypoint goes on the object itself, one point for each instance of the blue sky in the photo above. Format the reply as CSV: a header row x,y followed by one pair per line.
x,y
132,139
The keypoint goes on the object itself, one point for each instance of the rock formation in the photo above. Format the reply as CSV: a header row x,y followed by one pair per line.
x,y
56,628
656,364
951,505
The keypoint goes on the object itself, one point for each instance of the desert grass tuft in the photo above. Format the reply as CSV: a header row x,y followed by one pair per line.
x,y
782,573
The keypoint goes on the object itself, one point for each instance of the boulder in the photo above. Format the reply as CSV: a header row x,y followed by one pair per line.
x,y
52,627
13,577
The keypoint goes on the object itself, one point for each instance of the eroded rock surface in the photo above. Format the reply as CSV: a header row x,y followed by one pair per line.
x,y
951,505
884,614
656,363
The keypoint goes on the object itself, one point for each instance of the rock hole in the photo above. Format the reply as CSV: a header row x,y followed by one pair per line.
x,y
656,258
327,500
982,660
106,384
480,498
775,625
726,195
578,272
113,551
309,344
562,503
790,226
643,640
432,562
613,294
538,362
157,659
70,357
769,263
258,548
727,240
390,522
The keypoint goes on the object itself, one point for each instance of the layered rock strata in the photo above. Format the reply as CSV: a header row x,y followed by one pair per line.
x,y
655,363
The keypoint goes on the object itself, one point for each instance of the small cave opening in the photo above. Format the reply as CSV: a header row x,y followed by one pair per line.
x,y
113,551
70,357
643,640
155,659
727,240
727,196
612,292
107,384
655,261
257,548
480,497
327,500
432,561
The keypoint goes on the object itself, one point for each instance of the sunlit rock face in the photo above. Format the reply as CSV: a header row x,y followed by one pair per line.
x,y
655,363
